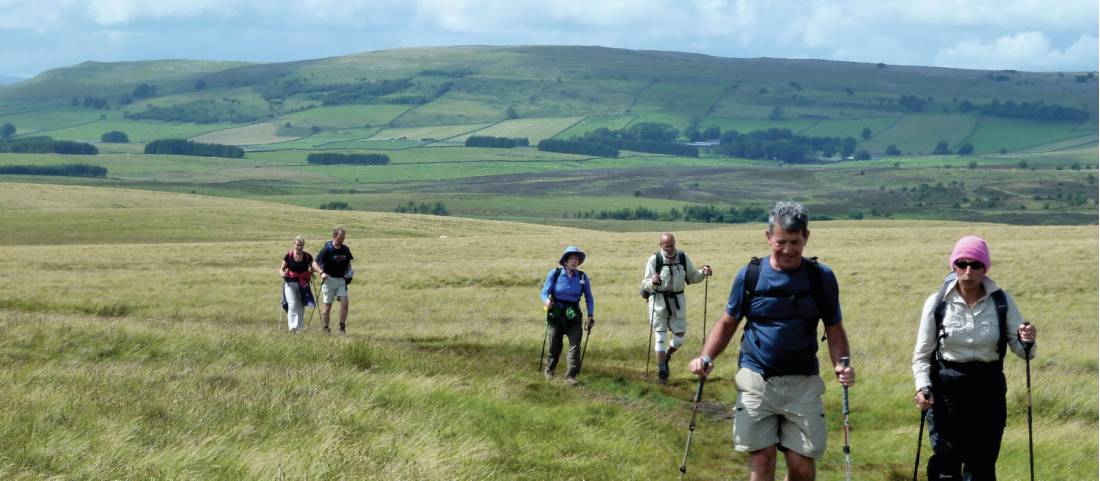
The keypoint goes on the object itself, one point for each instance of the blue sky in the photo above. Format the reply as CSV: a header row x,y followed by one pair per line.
x,y
1024,35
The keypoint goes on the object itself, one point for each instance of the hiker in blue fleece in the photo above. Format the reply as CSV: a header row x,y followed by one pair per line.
x,y
561,295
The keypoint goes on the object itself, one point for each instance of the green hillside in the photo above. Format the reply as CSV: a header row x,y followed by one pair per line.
x,y
1027,139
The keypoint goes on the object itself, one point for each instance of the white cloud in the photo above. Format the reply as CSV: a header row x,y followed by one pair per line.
x,y
1030,50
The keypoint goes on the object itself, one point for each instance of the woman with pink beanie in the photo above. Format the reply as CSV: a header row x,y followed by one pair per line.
x,y
958,365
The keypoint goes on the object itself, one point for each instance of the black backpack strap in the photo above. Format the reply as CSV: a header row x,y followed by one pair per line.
x,y
813,273
937,314
1000,302
554,282
752,276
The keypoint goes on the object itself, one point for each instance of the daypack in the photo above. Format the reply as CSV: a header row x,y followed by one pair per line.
x,y
1000,303
813,272
559,315
660,265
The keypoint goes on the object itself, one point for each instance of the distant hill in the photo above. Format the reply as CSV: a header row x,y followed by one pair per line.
x,y
578,89
10,80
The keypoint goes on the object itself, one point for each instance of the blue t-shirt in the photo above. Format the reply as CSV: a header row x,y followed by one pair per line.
x,y
568,289
780,336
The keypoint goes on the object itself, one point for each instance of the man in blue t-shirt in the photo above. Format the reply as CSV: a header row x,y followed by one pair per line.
x,y
334,262
779,388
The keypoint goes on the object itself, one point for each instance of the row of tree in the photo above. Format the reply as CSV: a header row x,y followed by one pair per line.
x,y
496,142
690,213
329,158
46,145
652,137
187,147
198,112
784,145
577,147
436,208
63,170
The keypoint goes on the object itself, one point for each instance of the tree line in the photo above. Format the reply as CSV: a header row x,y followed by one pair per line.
x,y
689,213
496,142
46,145
651,137
784,145
577,147
187,147
63,170
328,158
436,208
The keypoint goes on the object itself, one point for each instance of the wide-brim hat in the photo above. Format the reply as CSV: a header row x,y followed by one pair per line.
x,y
569,251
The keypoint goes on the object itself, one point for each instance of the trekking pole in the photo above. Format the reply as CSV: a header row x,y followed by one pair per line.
x,y
312,289
649,343
844,361
545,334
706,289
920,439
691,427
1030,445
587,335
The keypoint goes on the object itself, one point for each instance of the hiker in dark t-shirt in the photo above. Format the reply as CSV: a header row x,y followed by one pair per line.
x,y
779,406
334,263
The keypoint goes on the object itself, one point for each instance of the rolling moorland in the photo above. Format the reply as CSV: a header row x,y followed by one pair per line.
x,y
141,331
143,340
419,106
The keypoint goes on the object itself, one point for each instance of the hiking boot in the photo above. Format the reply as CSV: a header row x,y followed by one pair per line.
x,y
662,373
570,381
343,329
549,375
326,330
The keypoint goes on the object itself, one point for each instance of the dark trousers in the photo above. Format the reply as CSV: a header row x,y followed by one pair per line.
x,y
966,421
573,331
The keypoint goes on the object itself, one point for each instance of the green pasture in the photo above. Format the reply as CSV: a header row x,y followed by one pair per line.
x,y
42,122
320,140
593,122
917,134
534,129
746,125
849,127
449,111
688,100
344,116
995,133
436,132
137,131
437,379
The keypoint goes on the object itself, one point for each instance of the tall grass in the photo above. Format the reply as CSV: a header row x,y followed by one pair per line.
x,y
158,359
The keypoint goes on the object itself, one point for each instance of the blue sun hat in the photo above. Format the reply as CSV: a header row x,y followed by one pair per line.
x,y
571,250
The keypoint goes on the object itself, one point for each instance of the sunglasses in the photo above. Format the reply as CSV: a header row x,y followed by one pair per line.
x,y
961,264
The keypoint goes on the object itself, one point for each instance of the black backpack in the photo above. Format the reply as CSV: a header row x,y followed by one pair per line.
x,y
556,315
660,265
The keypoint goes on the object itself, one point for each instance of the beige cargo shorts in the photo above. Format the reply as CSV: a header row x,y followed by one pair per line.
x,y
782,410
333,289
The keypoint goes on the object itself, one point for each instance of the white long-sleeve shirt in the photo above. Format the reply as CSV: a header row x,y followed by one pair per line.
x,y
971,331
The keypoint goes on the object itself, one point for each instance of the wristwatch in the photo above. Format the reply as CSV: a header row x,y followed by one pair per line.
x,y
707,361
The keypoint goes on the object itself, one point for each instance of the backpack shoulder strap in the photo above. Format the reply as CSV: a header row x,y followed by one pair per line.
x,y
683,260
1000,302
658,262
817,289
937,314
752,276
554,282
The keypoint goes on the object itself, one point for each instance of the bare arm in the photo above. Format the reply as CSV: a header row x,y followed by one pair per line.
x,y
838,348
716,343
282,269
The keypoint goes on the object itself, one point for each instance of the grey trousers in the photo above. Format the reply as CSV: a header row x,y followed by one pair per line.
x,y
574,333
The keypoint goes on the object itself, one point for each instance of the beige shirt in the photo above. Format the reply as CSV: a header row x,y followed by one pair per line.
x,y
674,277
971,332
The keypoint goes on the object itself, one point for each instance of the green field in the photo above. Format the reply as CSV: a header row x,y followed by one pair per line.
x,y
533,129
917,134
195,378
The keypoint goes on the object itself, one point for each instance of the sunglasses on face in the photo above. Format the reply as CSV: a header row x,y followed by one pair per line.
x,y
975,265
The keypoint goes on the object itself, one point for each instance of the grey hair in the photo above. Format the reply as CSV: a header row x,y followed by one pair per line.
x,y
789,216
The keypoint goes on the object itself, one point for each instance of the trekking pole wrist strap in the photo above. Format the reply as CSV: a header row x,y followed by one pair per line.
x,y
707,361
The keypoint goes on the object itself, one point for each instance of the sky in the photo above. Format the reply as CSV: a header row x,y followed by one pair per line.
x,y
1032,35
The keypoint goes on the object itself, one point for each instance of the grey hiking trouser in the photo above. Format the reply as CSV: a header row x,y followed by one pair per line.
x,y
574,332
